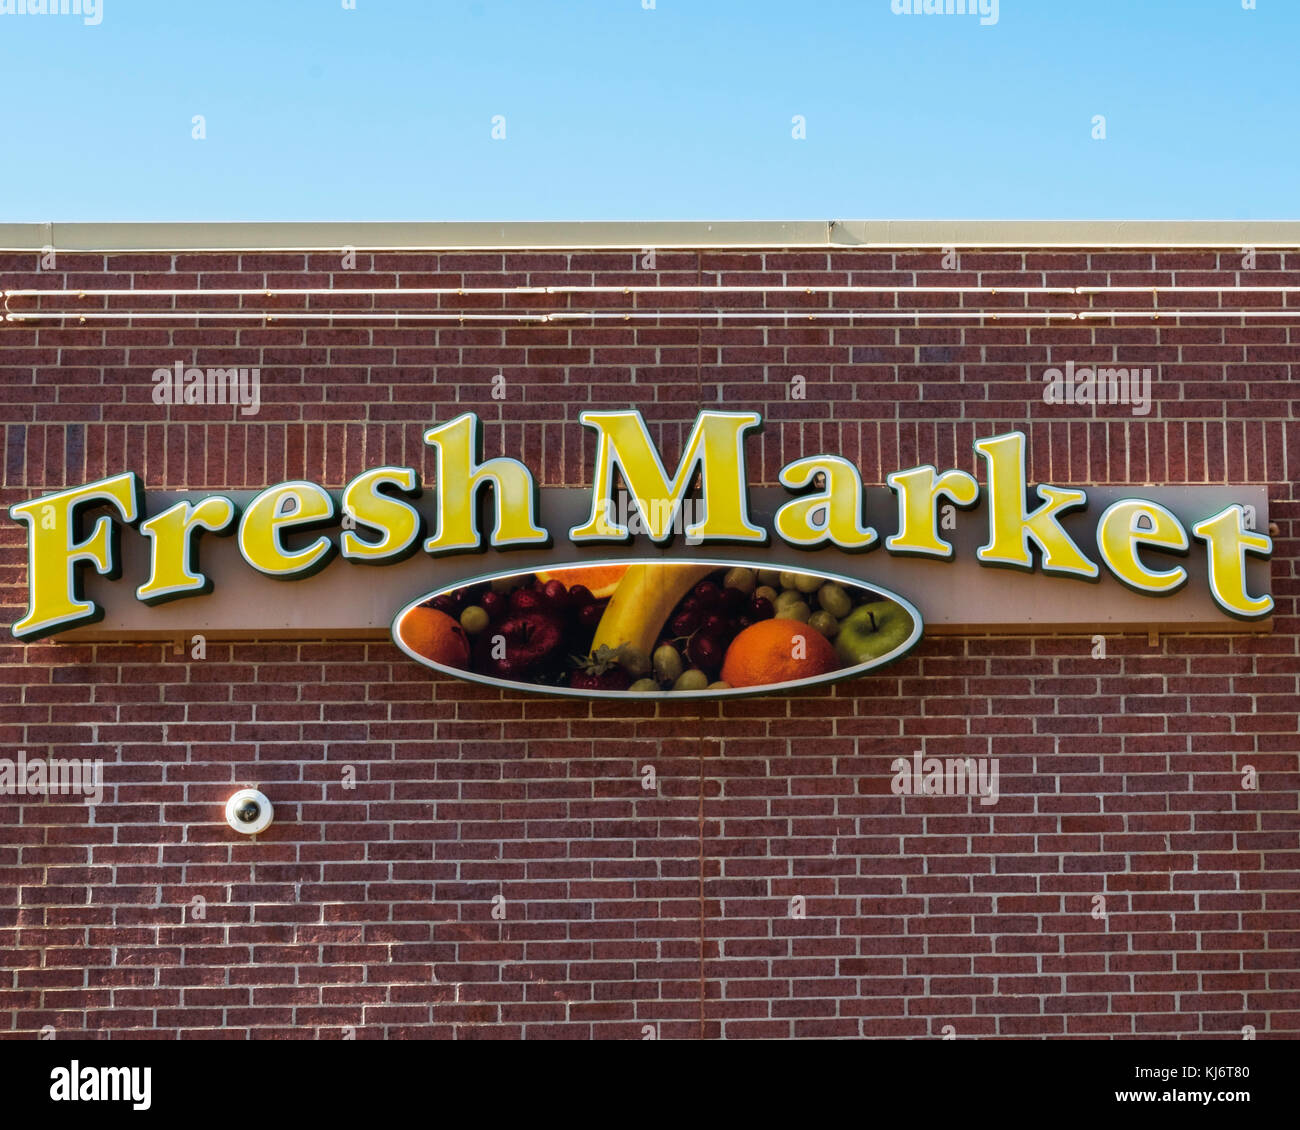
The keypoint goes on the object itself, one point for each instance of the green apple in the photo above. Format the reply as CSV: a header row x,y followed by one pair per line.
x,y
872,630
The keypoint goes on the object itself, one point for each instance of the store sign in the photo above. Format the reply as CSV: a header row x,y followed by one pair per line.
x,y
681,583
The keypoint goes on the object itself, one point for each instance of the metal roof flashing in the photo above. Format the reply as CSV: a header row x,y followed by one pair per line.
x,y
643,234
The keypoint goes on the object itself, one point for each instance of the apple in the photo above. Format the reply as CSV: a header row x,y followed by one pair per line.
x,y
872,630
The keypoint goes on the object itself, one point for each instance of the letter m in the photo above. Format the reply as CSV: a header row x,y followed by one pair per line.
x,y
219,380
715,446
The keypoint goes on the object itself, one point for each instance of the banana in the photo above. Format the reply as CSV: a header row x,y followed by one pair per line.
x,y
641,603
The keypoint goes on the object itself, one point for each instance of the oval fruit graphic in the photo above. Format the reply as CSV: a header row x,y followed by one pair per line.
x,y
670,629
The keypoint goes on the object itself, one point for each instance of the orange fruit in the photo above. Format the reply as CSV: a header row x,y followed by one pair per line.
x,y
436,636
602,580
777,651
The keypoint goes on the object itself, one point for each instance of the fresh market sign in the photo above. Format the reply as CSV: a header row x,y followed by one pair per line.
x,y
515,610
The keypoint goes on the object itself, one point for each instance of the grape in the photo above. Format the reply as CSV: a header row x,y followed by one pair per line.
x,y
719,686
825,623
733,599
714,625
806,583
834,599
789,579
800,612
644,686
504,584
685,622
635,662
708,594
769,577
474,619
767,592
742,580
692,680
667,663
790,596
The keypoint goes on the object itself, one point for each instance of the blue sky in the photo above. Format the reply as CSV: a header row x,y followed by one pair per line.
x,y
316,112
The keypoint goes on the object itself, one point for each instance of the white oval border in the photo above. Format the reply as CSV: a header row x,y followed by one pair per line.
x,y
899,652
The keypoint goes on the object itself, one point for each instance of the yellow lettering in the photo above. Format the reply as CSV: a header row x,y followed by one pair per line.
x,y
289,505
172,534
918,490
398,521
1119,535
1227,543
459,475
715,445
53,554
1011,528
840,501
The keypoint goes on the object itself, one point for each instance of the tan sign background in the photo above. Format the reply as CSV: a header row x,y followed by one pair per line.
x,y
961,596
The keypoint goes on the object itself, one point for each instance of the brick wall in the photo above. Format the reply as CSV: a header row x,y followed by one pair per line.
x,y
372,908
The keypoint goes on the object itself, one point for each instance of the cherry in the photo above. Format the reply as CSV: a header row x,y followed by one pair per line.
x,y
589,614
760,608
555,594
580,596
494,604
706,652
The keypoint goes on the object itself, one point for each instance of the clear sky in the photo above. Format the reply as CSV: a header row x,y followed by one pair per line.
x,y
614,110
